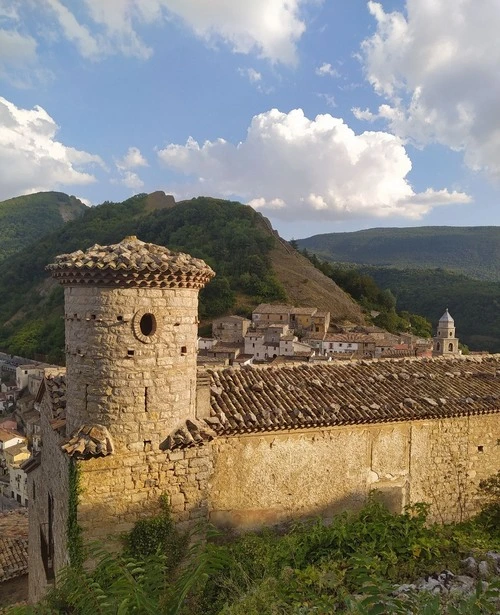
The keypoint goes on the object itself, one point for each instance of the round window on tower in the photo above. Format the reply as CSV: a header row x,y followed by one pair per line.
x,y
145,326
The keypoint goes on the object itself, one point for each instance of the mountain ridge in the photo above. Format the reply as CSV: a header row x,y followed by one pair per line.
x,y
471,250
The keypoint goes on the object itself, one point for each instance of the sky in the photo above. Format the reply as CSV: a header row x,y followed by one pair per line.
x,y
324,115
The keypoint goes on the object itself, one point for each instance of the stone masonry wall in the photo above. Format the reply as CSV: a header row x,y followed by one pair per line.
x,y
54,480
138,385
261,479
119,490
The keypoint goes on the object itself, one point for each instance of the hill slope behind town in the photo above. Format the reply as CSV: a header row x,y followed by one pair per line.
x,y
25,219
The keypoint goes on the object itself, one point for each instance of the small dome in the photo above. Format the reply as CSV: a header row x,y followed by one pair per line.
x,y
131,263
446,317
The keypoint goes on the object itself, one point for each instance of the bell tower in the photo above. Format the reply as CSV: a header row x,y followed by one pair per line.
x,y
445,342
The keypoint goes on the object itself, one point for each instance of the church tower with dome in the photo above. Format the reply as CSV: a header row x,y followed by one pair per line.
x,y
445,340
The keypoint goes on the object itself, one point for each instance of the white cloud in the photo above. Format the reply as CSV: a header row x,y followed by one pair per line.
x,y
252,75
18,57
269,28
132,180
295,167
437,66
31,159
327,70
132,159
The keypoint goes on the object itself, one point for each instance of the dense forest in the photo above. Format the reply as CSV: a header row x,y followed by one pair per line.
x,y
25,219
229,236
473,251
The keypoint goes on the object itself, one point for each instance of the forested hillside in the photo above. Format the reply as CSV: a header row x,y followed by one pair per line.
x,y
25,219
473,251
234,239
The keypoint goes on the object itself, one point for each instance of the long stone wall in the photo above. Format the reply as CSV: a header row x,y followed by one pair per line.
x,y
274,477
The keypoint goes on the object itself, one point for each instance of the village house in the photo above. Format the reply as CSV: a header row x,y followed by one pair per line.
x,y
9,438
357,343
14,457
240,447
266,314
205,343
30,376
230,329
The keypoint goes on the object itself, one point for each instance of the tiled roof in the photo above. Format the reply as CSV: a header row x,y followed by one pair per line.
x,y
13,558
355,392
304,310
191,433
267,308
132,263
231,318
7,434
55,386
89,441
349,337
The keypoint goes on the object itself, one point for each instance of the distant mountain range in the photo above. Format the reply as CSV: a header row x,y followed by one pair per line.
x,y
253,264
473,251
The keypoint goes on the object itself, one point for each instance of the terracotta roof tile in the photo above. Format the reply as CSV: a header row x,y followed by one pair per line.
x,y
131,262
13,558
355,392
55,386
190,433
89,441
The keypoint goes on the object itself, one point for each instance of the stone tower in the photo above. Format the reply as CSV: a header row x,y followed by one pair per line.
x,y
131,313
445,342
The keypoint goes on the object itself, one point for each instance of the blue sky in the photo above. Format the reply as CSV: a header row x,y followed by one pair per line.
x,y
324,115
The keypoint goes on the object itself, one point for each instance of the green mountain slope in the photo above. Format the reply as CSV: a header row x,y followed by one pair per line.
x,y
234,239
474,304
25,219
473,251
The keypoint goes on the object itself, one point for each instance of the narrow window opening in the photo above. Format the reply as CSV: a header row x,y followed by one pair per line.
x,y
92,316
183,349
130,352
86,395
34,491
147,446
480,449
119,318
75,315
146,400
450,347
